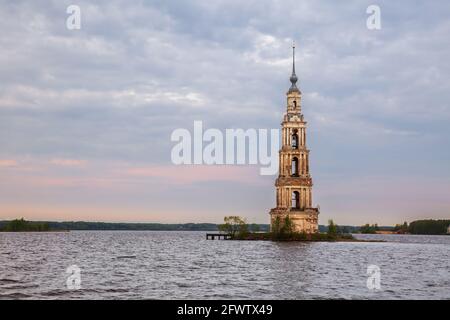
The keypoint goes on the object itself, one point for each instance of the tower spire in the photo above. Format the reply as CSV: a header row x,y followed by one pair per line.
x,y
293,57
293,77
293,187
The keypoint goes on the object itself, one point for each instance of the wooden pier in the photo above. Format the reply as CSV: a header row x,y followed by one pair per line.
x,y
219,236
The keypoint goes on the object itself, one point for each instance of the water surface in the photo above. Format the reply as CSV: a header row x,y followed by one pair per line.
x,y
183,265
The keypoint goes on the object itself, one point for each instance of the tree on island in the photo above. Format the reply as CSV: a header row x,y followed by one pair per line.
x,y
234,225
276,225
332,229
283,229
288,226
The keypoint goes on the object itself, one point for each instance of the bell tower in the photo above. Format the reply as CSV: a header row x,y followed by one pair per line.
x,y
294,182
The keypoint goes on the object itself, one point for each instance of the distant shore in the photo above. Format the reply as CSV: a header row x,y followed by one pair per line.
x,y
424,227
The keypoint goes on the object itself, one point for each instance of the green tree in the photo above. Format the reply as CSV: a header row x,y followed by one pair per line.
x,y
17,225
288,226
283,229
243,230
234,225
401,228
369,229
276,226
429,226
332,228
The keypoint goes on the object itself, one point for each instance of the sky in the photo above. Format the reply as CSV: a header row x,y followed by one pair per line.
x,y
86,115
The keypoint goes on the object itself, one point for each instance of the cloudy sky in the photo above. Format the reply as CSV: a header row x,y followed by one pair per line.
x,y
86,115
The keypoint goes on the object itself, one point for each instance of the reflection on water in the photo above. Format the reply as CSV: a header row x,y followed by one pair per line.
x,y
183,265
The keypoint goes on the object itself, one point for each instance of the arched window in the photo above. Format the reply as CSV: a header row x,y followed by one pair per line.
x,y
294,169
295,103
294,140
295,200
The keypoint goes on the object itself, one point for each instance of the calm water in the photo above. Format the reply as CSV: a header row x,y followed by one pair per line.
x,y
179,265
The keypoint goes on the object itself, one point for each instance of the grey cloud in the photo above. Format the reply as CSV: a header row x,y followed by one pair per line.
x,y
115,89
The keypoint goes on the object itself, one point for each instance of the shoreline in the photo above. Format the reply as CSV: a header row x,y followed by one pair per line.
x,y
296,237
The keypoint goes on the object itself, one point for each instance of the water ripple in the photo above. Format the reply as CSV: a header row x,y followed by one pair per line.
x,y
183,265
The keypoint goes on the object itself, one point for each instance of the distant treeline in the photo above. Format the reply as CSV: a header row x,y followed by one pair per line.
x,y
83,225
22,225
416,227
356,229
429,227
340,229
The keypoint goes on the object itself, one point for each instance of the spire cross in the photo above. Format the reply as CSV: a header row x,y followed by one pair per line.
x,y
293,57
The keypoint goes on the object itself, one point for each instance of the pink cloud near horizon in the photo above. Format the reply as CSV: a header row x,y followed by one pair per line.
x,y
8,163
68,162
188,174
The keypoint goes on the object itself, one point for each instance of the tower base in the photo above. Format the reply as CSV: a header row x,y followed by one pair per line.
x,y
304,220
